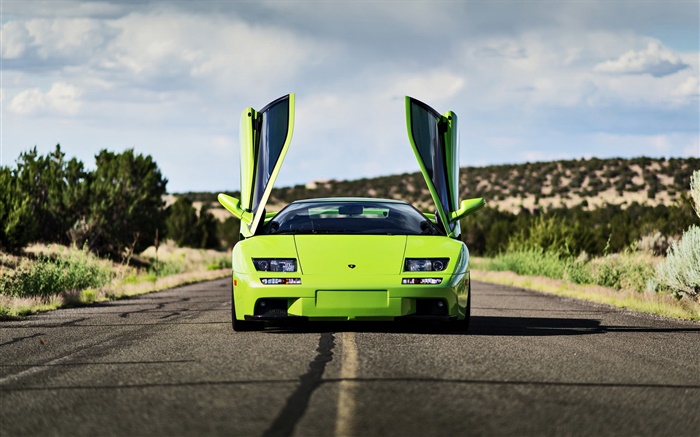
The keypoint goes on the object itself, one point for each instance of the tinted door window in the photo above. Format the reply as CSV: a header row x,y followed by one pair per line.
x,y
428,129
272,127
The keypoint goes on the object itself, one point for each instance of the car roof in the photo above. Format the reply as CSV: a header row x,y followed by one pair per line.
x,y
349,199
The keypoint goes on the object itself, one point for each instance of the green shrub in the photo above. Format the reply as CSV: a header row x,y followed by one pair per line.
x,y
51,275
224,263
131,279
609,272
126,204
88,296
546,233
627,271
167,268
579,272
530,262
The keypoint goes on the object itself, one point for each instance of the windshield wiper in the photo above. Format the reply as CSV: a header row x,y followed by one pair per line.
x,y
315,231
294,231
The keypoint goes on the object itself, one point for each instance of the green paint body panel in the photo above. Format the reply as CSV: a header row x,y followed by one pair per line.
x,y
467,207
331,254
233,206
330,289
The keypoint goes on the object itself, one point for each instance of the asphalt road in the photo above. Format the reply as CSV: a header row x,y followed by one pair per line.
x,y
169,364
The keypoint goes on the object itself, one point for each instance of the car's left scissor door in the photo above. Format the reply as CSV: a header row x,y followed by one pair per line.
x,y
265,138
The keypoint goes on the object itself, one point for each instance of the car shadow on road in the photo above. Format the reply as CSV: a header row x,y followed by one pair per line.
x,y
481,326
546,326
533,326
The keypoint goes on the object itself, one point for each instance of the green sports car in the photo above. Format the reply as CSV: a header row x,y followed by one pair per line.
x,y
337,259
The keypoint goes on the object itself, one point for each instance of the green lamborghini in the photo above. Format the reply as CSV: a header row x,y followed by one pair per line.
x,y
337,259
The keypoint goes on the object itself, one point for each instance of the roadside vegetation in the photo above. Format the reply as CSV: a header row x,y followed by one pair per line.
x,y
549,248
53,276
70,236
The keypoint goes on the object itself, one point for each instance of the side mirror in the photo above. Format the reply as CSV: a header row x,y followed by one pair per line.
x,y
468,206
233,206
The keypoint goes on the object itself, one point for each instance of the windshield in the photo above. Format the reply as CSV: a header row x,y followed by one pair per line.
x,y
351,217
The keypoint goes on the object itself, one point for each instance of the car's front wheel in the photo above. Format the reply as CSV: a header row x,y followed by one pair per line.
x,y
463,325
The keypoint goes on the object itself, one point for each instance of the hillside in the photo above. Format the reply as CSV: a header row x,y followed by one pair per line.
x,y
590,183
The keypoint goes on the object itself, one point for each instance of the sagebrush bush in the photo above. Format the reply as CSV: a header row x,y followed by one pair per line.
x,y
695,190
51,275
680,271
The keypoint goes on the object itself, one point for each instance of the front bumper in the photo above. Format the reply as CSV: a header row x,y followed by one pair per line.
x,y
338,298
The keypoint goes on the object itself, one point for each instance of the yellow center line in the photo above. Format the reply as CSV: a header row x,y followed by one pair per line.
x,y
347,386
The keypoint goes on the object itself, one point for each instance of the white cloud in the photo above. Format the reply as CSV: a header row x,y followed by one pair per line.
x,y
67,38
221,143
557,69
693,148
538,155
660,143
62,40
435,86
689,88
669,144
15,40
62,98
655,60
183,49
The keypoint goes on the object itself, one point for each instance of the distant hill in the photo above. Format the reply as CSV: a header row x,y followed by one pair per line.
x,y
590,183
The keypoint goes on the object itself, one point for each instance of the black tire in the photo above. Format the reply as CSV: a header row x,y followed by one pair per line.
x,y
242,325
468,311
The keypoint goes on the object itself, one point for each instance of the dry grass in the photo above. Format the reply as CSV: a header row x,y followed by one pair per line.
x,y
126,290
178,266
12,307
651,303
192,259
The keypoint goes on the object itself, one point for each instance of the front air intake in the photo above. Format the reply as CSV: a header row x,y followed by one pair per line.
x,y
431,307
271,307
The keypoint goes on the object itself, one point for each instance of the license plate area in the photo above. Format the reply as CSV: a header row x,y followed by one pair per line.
x,y
351,299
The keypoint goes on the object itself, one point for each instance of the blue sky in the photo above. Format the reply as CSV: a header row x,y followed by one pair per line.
x,y
529,80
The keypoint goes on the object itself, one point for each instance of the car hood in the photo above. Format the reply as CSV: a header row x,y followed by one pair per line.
x,y
350,254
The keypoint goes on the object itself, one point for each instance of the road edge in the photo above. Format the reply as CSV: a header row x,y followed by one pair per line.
x,y
655,304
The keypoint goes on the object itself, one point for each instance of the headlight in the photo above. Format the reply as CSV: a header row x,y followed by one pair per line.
x,y
425,264
275,264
